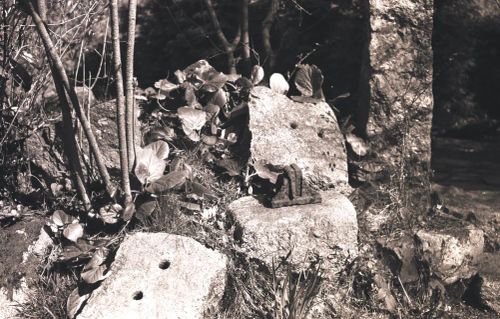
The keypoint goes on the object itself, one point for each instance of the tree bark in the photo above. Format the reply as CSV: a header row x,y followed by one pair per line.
x,y
129,83
120,103
245,38
58,68
229,47
267,24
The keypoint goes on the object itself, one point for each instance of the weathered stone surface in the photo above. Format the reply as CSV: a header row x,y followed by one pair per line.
x,y
395,99
451,256
286,132
323,229
171,276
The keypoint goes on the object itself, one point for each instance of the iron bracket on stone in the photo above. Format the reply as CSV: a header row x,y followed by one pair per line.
x,y
292,189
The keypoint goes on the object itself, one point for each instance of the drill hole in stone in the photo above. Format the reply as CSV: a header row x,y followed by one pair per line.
x,y
137,295
294,125
164,264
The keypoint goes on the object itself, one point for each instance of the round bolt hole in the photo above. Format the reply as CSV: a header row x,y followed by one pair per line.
x,y
137,295
164,264
294,125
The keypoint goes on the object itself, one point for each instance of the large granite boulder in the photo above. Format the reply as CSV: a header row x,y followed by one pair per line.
x,y
327,230
159,275
286,132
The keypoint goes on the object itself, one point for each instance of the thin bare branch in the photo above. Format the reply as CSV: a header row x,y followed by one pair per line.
x,y
120,103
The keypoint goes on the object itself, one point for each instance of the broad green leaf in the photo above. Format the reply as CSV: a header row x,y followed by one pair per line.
x,y
169,181
257,74
160,149
94,275
159,134
57,189
309,81
98,258
75,302
180,76
94,270
149,167
165,86
220,98
192,121
60,218
73,232
278,83
192,118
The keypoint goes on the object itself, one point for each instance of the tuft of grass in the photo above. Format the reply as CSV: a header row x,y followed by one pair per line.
x,y
48,296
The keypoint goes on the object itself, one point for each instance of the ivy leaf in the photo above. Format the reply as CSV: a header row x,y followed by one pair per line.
x,y
60,218
309,81
149,167
257,74
73,232
75,302
94,270
159,134
165,86
180,76
160,149
169,181
219,98
263,171
192,120
214,83
278,83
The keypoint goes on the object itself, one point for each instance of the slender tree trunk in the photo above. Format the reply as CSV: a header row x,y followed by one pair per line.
x,y
245,41
59,68
229,47
129,83
120,103
267,24
231,62
69,140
